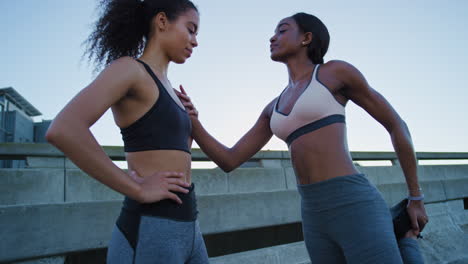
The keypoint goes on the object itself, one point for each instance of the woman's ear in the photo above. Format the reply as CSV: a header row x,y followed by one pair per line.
x,y
307,39
160,22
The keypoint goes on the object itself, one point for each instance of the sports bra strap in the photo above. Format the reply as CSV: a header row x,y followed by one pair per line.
x,y
151,73
314,75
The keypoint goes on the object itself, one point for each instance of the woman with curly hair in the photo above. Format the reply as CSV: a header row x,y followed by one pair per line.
x,y
136,40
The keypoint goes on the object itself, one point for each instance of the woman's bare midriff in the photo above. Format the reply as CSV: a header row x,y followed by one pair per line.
x,y
321,155
146,163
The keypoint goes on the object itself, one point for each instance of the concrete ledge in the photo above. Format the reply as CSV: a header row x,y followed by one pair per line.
x,y
18,151
49,162
80,188
51,260
50,185
55,229
444,241
394,174
394,193
294,253
21,151
256,180
44,230
210,181
228,212
58,209
35,185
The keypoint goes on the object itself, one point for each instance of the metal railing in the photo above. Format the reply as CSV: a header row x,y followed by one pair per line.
x,y
22,151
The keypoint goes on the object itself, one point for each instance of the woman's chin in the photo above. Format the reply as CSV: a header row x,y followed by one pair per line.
x,y
180,60
275,57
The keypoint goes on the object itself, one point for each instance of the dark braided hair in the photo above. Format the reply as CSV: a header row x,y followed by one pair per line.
x,y
317,49
124,27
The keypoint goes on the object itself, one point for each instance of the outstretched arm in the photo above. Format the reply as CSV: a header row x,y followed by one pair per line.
x,y
358,90
230,158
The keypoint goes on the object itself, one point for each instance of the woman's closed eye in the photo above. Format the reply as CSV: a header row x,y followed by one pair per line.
x,y
192,31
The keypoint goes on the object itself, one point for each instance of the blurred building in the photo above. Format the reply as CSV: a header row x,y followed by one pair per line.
x,y
17,124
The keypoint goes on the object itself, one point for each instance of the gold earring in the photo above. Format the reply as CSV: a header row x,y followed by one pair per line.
x,y
303,43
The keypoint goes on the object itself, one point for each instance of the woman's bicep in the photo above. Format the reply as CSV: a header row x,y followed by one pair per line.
x,y
361,93
379,108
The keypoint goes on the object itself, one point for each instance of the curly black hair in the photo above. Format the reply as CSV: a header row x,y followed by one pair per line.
x,y
317,49
124,27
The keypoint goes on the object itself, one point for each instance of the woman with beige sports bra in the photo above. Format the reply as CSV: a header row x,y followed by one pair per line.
x,y
345,219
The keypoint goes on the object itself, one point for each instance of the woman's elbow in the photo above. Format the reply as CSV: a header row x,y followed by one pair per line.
x,y
52,134
402,126
395,125
227,169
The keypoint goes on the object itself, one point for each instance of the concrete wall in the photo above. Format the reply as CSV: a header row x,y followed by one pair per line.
x,y
52,208
33,186
445,241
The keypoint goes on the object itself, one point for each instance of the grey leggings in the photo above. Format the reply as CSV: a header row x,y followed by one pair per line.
x,y
346,220
160,240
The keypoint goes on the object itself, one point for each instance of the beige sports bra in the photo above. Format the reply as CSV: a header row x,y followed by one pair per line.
x,y
315,108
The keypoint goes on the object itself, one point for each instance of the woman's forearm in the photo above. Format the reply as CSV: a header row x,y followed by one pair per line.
x,y
402,143
229,158
217,152
80,146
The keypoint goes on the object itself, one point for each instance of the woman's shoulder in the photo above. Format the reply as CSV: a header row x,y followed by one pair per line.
x,y
341,68
338,65
126,62
125,67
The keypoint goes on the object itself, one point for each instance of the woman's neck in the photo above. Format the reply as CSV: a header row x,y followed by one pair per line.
x,y
299,69
154,56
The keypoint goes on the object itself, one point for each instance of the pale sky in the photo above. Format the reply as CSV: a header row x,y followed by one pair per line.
x,y
413,52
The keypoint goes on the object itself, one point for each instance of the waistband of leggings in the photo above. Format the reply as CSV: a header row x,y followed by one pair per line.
x,y
168,208
336,187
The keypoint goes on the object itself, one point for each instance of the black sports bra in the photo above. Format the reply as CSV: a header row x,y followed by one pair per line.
x,y
165,126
